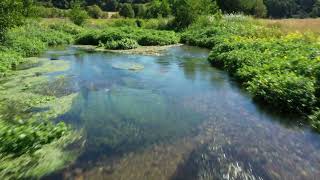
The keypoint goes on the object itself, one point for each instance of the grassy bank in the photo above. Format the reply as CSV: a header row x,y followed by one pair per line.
x,y
278,68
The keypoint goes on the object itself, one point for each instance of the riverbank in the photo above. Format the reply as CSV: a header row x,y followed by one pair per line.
x,y
279,69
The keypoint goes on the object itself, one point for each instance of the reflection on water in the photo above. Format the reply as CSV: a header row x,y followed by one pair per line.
x,y
178,118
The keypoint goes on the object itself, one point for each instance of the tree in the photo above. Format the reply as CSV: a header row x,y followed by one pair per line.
x,y
127,11
94,11
11,14
158,8
110,5
316,9
281,8
187,11
260,9
139,10
77,15
165,9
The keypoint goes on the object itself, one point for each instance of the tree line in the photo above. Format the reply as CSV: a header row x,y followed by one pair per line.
x,y
149,8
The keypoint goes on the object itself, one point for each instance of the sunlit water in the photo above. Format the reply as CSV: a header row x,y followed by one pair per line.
x,y
178,118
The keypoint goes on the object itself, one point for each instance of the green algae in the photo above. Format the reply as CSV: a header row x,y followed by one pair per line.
x,y
49,158
22,101
128,66
59,86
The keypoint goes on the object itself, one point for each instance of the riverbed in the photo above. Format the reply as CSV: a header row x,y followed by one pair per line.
x,y
173,116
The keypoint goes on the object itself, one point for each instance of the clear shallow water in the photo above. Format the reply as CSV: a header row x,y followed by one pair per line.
x,y
178,118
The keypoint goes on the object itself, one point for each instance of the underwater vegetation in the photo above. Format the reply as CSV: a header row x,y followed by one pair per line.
x,y
32,143
126,120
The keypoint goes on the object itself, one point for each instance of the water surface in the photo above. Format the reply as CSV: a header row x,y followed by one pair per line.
x,y
178,118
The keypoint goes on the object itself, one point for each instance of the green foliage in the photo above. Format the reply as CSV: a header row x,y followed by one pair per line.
x,y
77,15
158,8
277,69
160,38
159,23
259,8
144,37
28,137
315,120
288,91
24,45
316,9
139,10
46,12
32,39
94,11
67,28
11,14
9,60
187,11
121,44
254,7
127,11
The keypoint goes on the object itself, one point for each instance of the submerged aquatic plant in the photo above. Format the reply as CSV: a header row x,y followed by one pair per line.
x,y
31,143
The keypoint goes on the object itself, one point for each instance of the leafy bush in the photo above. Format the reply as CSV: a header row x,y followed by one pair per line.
x,y
11,14
94,11
32,39
315,120
77,15
90,37
9,60
160,38
26,46
46,12
290,92
127,11
66,28
144,37
121,44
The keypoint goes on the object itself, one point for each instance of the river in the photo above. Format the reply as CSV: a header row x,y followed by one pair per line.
x,y
176,117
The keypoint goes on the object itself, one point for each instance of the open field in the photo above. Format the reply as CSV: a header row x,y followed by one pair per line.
x,y
292,25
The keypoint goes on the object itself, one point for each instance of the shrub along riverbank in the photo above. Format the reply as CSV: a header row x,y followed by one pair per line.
x,y
278,69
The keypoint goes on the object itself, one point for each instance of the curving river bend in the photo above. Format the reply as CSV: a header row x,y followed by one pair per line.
x,y
175,117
